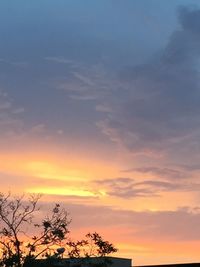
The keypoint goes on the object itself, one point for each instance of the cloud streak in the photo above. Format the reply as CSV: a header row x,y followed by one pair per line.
x,y
148,225
128,188
166,173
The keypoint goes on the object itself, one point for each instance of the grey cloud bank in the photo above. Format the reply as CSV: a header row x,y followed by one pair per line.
x,y
151,225
160,105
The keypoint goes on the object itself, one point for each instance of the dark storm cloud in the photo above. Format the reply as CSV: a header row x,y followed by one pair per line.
x,y
160,103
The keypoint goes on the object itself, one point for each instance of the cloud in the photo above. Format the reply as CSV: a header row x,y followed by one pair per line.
x,y
48,186
160,186
10,122
180,225
160,226
124,188
159,107
18,110
87,81
191,167
166,173
128,188
13,125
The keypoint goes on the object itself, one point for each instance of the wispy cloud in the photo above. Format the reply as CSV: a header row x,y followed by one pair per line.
x,y
166,173
128,188
10,122
124,188
88,82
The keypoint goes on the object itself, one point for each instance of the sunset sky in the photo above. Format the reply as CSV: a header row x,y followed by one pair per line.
x,y
100,111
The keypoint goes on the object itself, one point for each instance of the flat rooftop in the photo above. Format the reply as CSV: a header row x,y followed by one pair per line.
x,y
172,265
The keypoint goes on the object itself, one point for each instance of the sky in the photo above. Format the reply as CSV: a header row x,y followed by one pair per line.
x,y
99,111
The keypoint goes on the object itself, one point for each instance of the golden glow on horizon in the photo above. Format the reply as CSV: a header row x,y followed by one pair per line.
x,y
48,170
65,192
59,167
75,172
57,176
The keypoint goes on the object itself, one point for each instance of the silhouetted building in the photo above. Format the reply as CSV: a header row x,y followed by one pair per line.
x,y
173,265
83,262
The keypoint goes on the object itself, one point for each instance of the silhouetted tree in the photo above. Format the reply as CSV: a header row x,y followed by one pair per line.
x,y
15,215
18,249
93,246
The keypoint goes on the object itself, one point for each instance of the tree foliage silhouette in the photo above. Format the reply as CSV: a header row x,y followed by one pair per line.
x,y
19,248
92,246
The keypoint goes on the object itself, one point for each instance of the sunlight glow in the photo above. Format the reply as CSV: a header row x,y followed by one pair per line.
x,y
63,192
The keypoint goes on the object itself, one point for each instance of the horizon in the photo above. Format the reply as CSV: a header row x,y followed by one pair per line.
x,y
99,111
